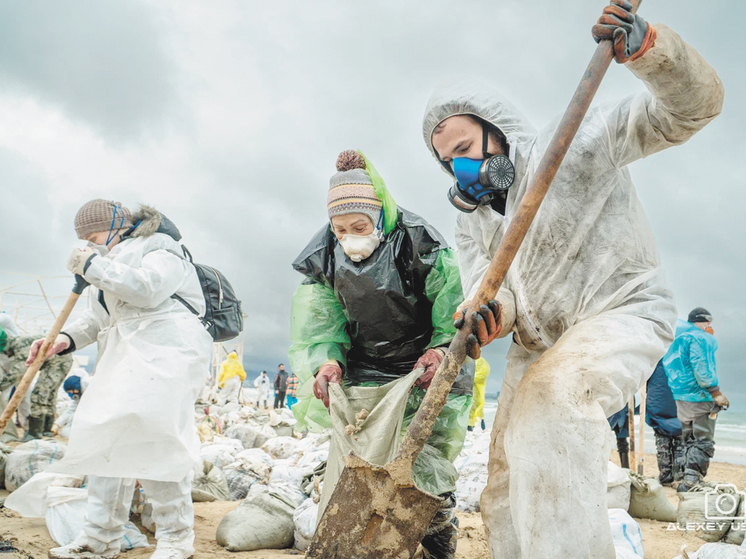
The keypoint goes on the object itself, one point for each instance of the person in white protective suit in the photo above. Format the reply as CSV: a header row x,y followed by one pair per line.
x,y
136,420
262,384
585,298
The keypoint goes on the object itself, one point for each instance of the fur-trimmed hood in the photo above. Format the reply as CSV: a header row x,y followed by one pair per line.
x,y
148,221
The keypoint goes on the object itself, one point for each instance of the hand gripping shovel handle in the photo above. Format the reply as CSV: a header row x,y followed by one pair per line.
x,y
28,376
422,425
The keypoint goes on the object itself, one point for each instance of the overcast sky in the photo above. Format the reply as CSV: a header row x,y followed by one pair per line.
x,y
228,117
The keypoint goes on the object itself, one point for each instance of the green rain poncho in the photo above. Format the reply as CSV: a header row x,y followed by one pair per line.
x,y
376,318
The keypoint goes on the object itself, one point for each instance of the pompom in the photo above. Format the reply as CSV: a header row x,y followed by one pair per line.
x,y
350,159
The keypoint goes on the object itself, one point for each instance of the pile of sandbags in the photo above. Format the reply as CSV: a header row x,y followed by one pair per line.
x,y
472,468
29,459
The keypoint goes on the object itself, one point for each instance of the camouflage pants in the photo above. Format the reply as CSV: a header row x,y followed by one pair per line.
x,y
51,375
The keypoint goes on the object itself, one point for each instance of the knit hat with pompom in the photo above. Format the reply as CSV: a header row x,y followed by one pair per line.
x,y
351,190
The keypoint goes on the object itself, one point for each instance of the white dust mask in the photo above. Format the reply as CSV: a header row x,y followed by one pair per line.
x,y
360,247
101,250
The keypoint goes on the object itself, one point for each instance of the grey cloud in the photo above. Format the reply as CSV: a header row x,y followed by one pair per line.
x,y
101,62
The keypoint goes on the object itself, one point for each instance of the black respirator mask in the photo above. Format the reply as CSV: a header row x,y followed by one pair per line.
x,y
479,181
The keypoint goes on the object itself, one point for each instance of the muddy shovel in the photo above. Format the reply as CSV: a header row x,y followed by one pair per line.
x,y
377,512
28,376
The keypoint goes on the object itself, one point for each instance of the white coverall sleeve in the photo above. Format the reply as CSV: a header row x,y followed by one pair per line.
x,y
159,276
473,264
685,93
84,331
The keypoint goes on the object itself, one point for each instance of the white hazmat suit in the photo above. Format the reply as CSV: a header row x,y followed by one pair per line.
x,y
585,298
136,420
262,384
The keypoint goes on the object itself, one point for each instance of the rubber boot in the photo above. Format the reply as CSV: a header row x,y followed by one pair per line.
x,y
664,452
679,458
622,447
470,428
48,422
442,535
35,425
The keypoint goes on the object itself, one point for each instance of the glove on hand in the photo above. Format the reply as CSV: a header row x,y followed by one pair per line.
x,y
485,326
630,34
78,258
61,343
330,372
720,399
430,361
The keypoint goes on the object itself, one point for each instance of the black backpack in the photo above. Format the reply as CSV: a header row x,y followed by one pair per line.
x,y
223,316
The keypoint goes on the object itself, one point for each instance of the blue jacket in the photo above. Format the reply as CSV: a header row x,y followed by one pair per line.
x,y
690,363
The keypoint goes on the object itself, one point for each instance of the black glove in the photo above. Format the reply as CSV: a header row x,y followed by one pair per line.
x,y
485,327
631,35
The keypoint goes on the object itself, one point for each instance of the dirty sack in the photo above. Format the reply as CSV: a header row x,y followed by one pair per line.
x,y
618,487
648,500
714,551
29,459
367,421
626,534
209,484
250,435
735,535
304,519
695,504
264,520
66,514
4,452
30,500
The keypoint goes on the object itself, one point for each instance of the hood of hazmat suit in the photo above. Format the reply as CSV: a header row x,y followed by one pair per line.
x,y
136,420
690,363
230,368
590,248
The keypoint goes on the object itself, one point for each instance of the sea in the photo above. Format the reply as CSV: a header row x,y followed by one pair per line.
x,y
730,434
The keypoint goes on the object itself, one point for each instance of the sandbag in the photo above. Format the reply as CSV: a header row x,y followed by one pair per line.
x,y
626,533
66,514
251,435
29,459
220,451
618,487
304,520
264,520
210,485
735,535
695,508
4,452
648,500
239,481
30,500
281,447
368,421
715,551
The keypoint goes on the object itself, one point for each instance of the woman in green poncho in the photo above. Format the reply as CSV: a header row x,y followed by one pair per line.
x,y
380,289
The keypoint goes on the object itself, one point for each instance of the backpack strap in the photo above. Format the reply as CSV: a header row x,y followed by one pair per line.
x,y
179,298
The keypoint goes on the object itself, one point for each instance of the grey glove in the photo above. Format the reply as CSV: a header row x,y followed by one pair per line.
x,y
628,32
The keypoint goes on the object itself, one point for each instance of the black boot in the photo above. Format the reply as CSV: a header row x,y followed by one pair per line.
x,y
442,534
664,451
35,425
622,447
48,422
679,459
470,428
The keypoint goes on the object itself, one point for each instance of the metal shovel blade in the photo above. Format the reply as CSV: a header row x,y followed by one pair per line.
x,y
374,513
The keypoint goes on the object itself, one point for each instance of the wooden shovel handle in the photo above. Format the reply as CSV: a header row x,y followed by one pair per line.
x,y
422,424
41,356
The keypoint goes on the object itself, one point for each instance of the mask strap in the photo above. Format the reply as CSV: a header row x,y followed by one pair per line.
x,y
379,225
111,235
485,138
